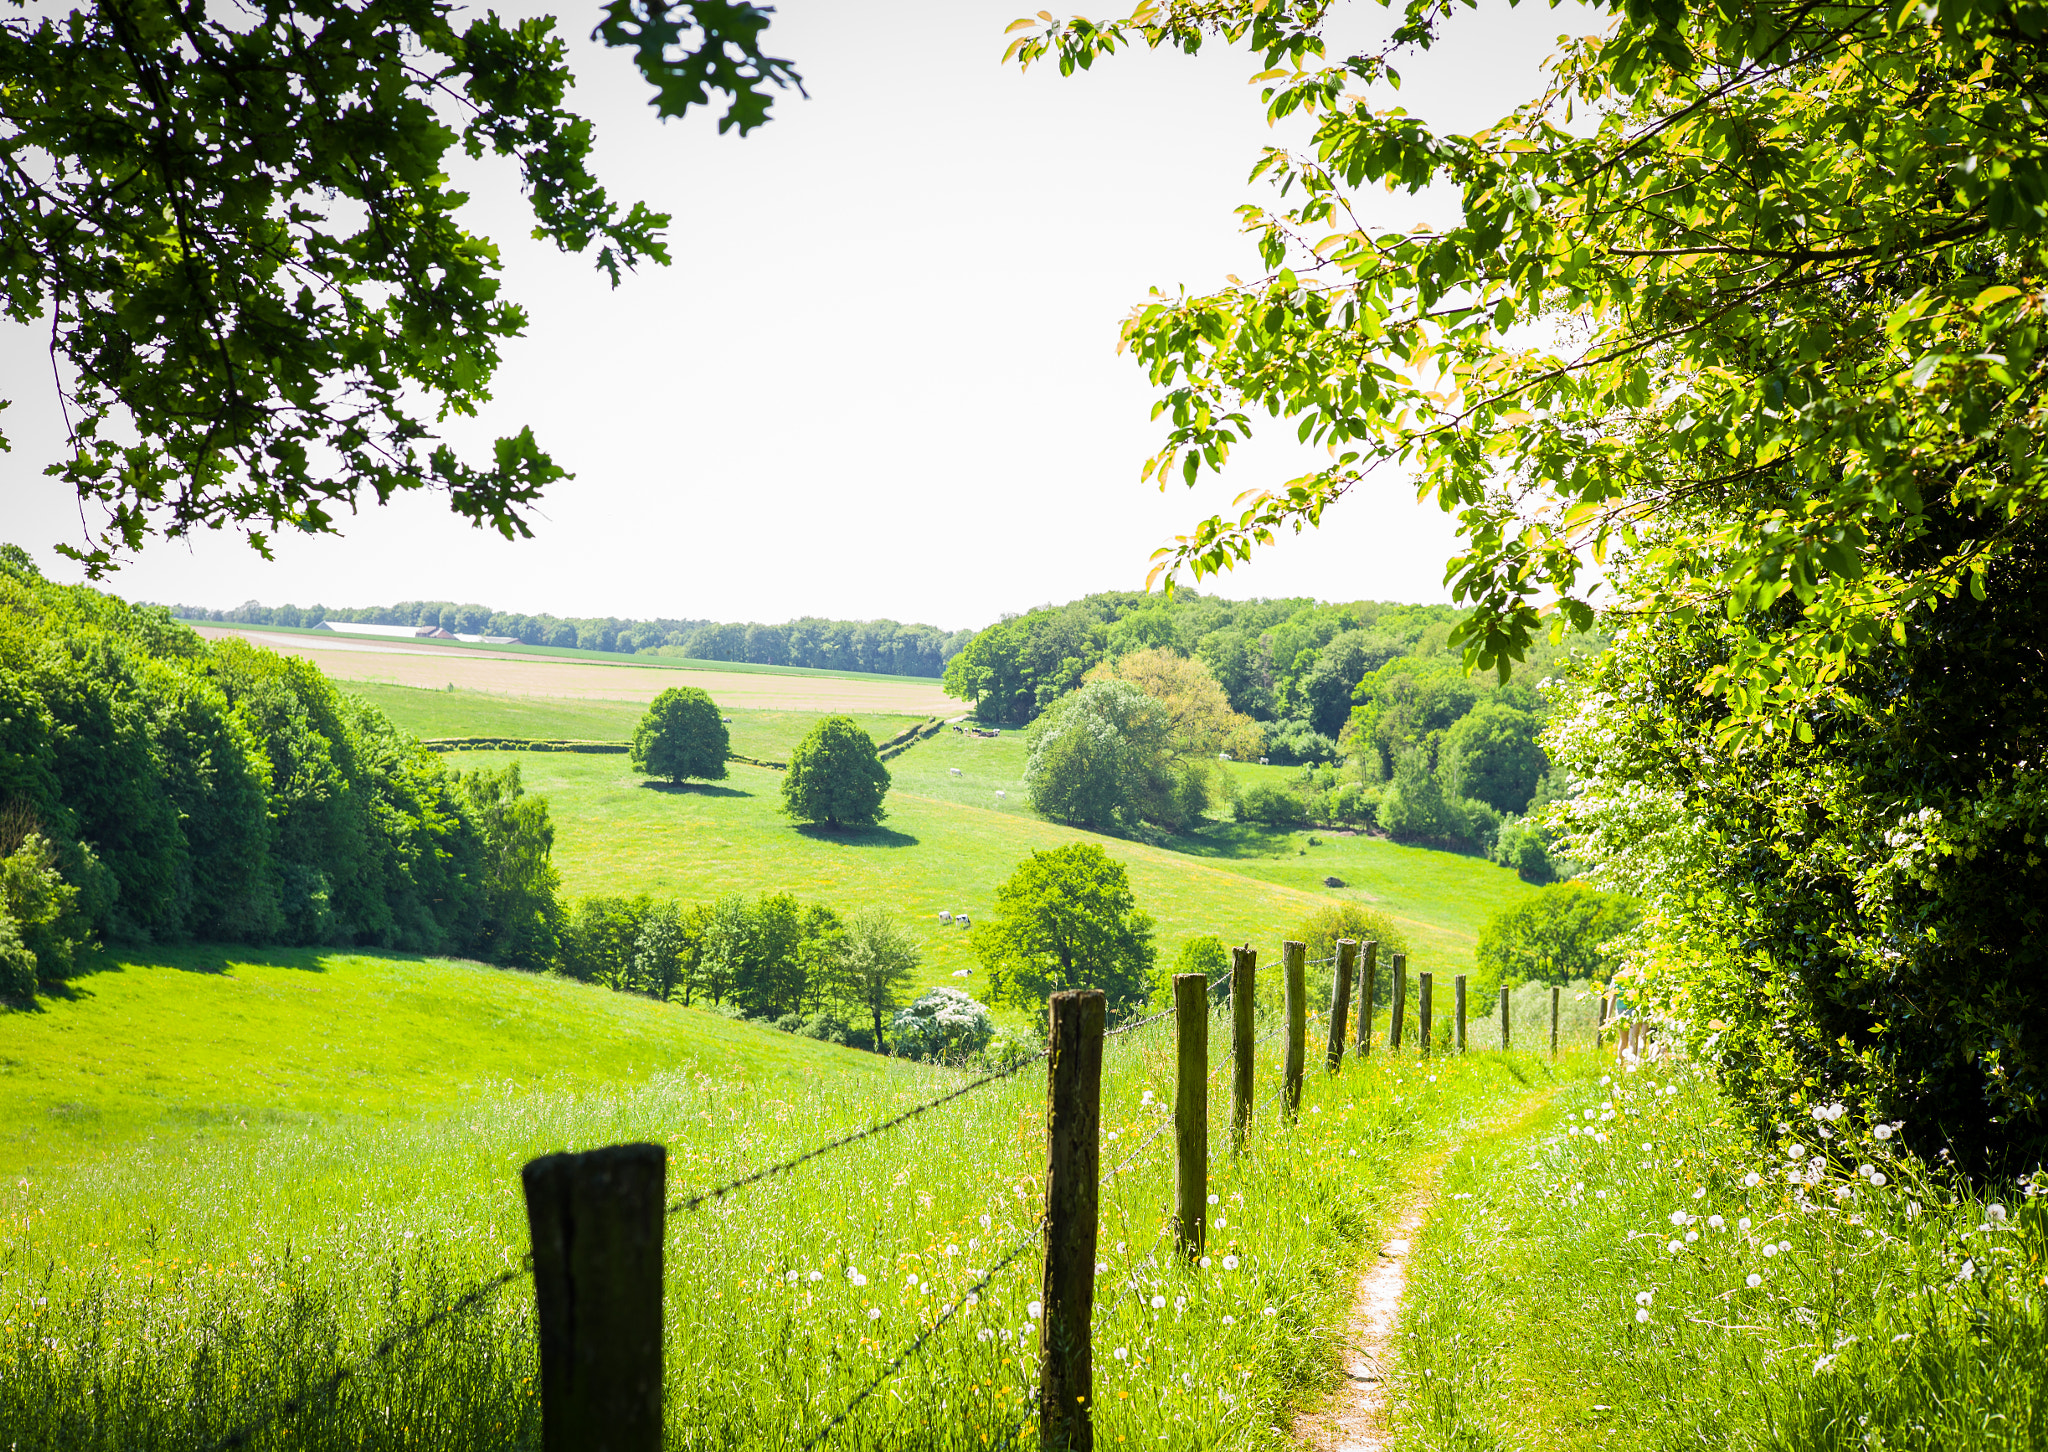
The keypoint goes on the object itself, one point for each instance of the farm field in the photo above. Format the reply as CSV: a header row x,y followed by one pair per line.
x,y
190,1045
581,675
769,735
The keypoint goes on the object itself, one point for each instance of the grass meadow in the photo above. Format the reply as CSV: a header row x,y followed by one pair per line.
x,y
1634,1271
166,1296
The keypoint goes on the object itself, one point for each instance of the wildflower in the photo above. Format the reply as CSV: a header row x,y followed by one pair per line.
x,y
1968,1272
1230,1320
984,1334
1743,1223
1643,1315
791,1277
1678,1217
1147,1099
1866,1170
1643,1298
817,1275
1271,1312
1035,1310
1205,1262
1700,1193
1769,1250
856,1277
1675,1246
1752,1179
1824,1365
1222,1223
1754,1281
1994,1214
1797,1151
1159,1303
1881,1132
1784,1247
1877,1179
1230,1262
1647,1146
1592,1114
984,1222
1122,1353
1691,1236
1180,1303
1715,1222
911,1279
874,1313
1571,1129
1213,1199
952,1250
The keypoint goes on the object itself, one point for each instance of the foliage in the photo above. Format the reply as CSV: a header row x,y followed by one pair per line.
x,y
881,960
1199,720
835,777
1491,754
1524,844
246,238
1203,954
1759,399
1066,919
1110,755
681,736
1296,743
1271,805
1854,915
42,914
1566,931
1321,929
187,790
942,1026
666,951
18,974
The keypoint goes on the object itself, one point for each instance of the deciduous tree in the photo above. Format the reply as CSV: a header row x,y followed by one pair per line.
x,y
1066,919
836,777
682,736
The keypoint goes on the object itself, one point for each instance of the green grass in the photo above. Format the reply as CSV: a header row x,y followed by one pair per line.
x,y
769,735
167,1295
191,1046
1884,1316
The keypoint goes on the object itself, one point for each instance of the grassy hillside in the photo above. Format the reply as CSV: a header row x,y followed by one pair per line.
x,y
186,1045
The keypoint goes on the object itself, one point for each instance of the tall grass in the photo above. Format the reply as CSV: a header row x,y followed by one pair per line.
x,y
1640,1273
154,1302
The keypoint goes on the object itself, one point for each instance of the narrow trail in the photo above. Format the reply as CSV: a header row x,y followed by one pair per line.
x,y
1356,1416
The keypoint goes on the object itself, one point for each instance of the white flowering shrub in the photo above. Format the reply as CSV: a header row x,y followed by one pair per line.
x,y
943,1025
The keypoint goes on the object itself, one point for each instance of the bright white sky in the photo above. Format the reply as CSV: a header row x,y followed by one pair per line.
x,y
880,378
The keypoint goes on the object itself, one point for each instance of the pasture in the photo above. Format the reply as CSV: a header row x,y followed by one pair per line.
x,y
529,671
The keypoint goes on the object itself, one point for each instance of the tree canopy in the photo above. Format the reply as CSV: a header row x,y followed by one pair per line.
x,y
835,776
1743,299
1066,919
239,232
1557,934
682,735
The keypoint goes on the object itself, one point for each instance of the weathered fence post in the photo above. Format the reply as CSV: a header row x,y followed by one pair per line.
x,y
1244,969
1600,1022
1503,1020
1294,963
596,1220
1191,1110
1073,1167
1340,1001
1458,997
1424,982
1555,993
1400,970
1368,962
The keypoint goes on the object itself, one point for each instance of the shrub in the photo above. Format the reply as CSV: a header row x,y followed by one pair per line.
x,y
681,736
943,1025
18,977
1205,955
1561,932
1273,806
1297,743
1320,931
836,777
1523,845
42,911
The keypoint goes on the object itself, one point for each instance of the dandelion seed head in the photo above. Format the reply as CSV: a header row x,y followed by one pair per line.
x,y
1754,1280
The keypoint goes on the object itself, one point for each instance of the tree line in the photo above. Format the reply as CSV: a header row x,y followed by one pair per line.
x,y
882,647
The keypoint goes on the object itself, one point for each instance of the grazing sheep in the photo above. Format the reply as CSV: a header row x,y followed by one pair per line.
x,y
1262,761
945,917
1223,756
1002,794
956,771
962,972
961,919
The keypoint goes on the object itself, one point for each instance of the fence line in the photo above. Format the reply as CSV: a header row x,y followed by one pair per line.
x,y
896,1362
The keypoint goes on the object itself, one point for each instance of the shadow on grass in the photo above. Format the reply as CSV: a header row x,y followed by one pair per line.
x,y
856,836
1232,840
692,789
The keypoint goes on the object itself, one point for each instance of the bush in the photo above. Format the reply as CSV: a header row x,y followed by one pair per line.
x,y
1353,802
18,977
41,909
1273,806
1205,955
1560,933
1297,743
943,1025
1320,931
1523,845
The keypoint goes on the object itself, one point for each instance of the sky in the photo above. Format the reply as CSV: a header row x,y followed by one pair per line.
x,y
880,378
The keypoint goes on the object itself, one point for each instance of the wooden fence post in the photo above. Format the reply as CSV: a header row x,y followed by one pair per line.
x,y
596,1220
1423,982
1340,1001
1073,1168
1600,1023
1400,969
1503,1020
1555,993
1458,997
1294,963
1244,969
1191,1110
1368,964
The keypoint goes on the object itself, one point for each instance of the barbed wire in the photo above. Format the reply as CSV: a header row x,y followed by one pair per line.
x,y
291,1406
896,1362
691,1202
